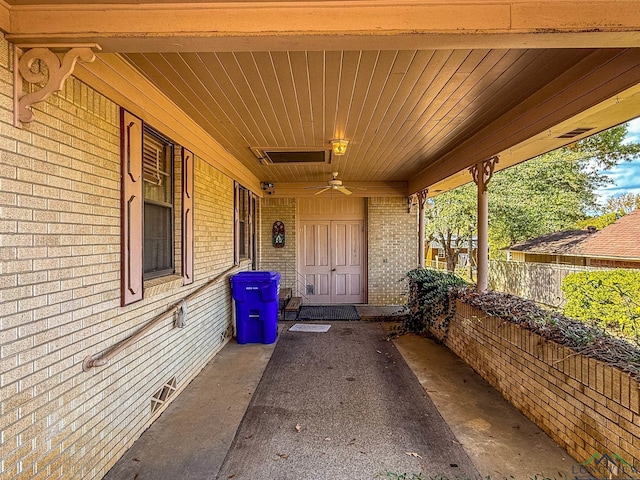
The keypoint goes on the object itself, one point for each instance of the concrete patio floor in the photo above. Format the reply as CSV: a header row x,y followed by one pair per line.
x,y
193,436
500,440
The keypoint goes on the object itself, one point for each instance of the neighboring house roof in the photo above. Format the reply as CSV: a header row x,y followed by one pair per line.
x,y
618,240
556,243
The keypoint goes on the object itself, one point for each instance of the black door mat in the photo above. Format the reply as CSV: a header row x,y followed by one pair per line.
x,y
328,312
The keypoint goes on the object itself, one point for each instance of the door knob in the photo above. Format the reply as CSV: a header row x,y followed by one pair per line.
x,y
333,270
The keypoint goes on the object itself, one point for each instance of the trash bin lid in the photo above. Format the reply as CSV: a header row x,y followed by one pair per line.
x,y
255,276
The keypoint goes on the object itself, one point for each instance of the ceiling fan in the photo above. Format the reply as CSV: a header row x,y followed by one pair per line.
x,y
333,184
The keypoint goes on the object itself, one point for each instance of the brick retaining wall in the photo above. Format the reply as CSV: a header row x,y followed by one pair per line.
x,y
586,406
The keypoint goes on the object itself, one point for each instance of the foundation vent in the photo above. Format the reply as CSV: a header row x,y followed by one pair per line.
x,y
226,334
161,396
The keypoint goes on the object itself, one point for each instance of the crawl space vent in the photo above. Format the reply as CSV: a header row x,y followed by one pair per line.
x,y
161,396
574,133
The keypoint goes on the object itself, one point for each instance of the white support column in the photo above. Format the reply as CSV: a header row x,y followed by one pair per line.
x,y
482,173
422,200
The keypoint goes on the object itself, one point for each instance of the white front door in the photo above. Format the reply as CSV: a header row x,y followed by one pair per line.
x,y
332,262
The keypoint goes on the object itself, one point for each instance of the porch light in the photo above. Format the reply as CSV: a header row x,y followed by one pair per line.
x,y
339,147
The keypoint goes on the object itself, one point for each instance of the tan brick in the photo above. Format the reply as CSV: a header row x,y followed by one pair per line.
x,y
16,213
30,176
18,240
46,240
28,356
59,182
625,384
23,188
46,264
32,227
634,397
31,202
46,216
17,293
8,226
31,252
21,372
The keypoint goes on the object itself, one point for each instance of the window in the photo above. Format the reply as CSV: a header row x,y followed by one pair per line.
x,y
252,227
243,222
154,209
157,168
245,207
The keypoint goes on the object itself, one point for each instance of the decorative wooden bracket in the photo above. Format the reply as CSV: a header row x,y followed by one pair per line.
x,y
418,198
481,179
422,197
56,70
411,200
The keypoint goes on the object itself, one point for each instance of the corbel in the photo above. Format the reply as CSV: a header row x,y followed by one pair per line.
x,y
58,67
422,197
411,201
482,176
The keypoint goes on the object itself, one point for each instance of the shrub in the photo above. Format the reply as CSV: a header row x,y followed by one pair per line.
x,y
608,298
431,299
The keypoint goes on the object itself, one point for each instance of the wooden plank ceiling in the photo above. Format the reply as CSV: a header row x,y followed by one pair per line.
x,y
421,90
400,110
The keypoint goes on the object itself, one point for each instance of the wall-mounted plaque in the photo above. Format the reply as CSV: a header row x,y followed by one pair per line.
x,y
277,234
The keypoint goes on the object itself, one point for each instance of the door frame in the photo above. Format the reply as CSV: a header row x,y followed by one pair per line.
x,y
329,216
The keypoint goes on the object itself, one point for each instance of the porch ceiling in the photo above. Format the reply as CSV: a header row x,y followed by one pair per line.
x,y
417,115
400,110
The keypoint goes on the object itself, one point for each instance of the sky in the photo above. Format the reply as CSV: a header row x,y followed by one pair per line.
x,y
626,175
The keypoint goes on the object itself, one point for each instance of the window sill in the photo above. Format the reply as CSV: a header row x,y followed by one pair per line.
x,y
160,285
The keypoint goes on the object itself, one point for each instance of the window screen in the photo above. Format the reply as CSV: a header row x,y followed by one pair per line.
x,y
158,205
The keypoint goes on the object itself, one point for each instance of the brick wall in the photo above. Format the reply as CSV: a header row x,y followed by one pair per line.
x,y
586,406
283,259
392,248
392,245
59,290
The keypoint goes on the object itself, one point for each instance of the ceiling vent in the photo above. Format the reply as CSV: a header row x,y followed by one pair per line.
x,y
293,156
576,132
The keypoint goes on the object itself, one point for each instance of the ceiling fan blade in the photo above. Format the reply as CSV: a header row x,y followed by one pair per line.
x,y
314,187
323,190
344,190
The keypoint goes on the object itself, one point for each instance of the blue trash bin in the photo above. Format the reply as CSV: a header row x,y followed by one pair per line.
x,y
256,297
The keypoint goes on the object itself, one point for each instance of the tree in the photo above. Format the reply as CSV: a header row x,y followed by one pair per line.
x,y
600,221
607,298
622,204
451,221
549,193
552,192
607,148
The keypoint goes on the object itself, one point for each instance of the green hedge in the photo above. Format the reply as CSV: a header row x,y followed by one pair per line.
x,y
608,298
430,298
